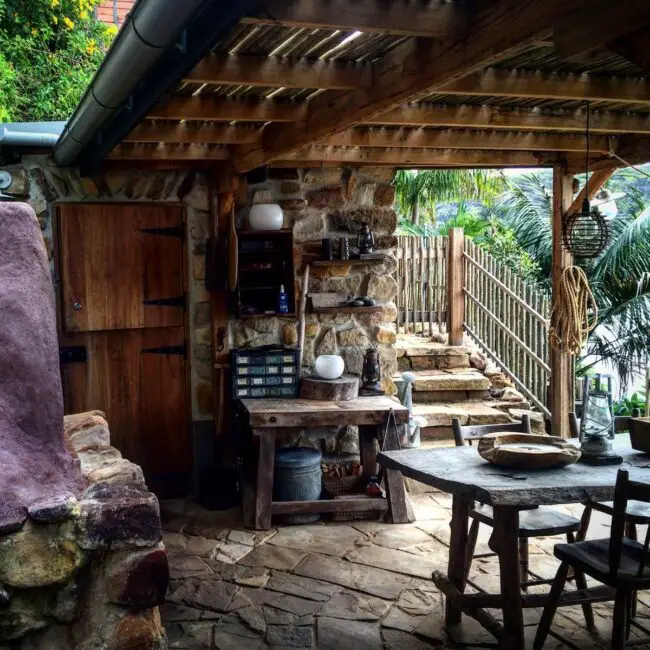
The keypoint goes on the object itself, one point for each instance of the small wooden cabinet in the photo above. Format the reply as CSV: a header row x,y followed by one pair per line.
x,y
265,264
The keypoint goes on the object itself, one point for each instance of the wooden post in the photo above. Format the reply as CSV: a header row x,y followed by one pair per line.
x,y
562,390
455,296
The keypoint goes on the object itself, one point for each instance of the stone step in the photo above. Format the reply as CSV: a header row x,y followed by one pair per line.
x,y
439,380
440,415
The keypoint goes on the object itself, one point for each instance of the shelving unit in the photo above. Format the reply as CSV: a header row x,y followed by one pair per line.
x,y
265,263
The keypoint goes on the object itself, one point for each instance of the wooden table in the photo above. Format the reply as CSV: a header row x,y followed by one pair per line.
x,y
463,473
265,416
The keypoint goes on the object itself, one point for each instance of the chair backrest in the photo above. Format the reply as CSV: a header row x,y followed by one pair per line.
x,y
626,490
476,431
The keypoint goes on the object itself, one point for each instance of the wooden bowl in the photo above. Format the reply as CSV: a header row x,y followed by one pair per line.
x,y
640,434
527,451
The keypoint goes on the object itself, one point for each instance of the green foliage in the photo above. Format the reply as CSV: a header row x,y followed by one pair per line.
x,y
626,405
473,224
50,50
418,192
619,277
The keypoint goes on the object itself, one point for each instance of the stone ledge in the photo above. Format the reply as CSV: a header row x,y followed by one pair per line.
x,y
432,380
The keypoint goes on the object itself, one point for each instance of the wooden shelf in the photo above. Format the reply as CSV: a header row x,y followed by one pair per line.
x,y
353,262
347,310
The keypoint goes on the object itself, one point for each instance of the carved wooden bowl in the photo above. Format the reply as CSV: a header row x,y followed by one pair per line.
x,y
527,451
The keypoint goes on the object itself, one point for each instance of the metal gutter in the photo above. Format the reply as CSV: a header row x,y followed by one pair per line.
x,y
30,134
160,41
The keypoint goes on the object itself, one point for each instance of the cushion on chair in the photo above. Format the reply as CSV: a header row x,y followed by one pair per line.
x,y
592,557
540,522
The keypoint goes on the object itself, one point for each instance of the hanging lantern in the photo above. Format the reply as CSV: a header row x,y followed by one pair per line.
x,y
586,233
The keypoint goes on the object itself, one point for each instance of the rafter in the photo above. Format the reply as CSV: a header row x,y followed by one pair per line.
x,y
597,23
168,152
431,19
189,133
516,83
414,67
378,137
226,110
286,72
635,48
596,181
280,72
420,157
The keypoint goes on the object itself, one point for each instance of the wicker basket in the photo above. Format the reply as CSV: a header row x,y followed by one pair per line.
x,y
342,486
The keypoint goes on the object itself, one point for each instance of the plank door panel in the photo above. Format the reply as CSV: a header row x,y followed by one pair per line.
x,y
112,258
106,246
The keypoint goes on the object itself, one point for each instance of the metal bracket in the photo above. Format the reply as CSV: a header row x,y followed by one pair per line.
x,y
177,232
179,350
176,301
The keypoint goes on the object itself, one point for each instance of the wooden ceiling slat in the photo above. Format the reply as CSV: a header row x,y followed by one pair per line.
x,y
635,48
279,72
183,133
401,17
414,67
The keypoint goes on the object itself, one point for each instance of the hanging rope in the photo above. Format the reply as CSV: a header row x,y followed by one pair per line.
x,y
574,313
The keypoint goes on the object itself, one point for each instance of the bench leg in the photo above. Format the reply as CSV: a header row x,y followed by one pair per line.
x,y
264,488
399,507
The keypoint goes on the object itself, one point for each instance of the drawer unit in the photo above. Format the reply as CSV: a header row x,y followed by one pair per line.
x,y
268,371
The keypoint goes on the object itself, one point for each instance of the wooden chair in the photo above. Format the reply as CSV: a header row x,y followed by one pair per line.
x,y
533,522
618,562
637,514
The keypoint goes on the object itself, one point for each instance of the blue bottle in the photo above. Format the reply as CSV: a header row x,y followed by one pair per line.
x,y
283,301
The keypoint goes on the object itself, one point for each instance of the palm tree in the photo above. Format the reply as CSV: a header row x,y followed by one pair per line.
x,y
418,191
619,277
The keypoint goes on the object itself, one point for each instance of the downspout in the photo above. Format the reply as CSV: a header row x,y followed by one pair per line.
x,y
150,29
31,136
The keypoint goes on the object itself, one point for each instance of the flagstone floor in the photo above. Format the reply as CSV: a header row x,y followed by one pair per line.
x,y
339,585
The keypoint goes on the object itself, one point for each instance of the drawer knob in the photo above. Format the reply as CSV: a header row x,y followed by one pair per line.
x,y
273,419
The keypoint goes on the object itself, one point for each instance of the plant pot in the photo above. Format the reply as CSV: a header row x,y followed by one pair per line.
x,y
266,216
329,366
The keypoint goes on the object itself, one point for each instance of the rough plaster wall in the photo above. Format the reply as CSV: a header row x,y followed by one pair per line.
x,y
39,182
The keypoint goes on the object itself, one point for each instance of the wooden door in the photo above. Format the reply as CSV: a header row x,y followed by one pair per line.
x,y
123,327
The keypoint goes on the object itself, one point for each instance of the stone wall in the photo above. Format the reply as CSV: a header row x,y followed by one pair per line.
x,y
41,184
333,203
88,573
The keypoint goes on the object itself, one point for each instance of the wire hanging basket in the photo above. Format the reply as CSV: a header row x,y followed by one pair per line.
x,y
586,232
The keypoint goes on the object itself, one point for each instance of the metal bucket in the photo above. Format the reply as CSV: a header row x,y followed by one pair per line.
x,y
298,477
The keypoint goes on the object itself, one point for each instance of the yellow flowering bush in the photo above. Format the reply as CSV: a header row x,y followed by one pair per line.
x,y
49,51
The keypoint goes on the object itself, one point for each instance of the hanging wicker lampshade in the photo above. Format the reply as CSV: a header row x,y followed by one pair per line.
x,y
586,233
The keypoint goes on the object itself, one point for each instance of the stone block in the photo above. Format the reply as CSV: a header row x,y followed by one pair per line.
x,y
382,221
53,509
289,334
438,381
138,579
309,228
430,397
384,195
327,344
290,187
293,205
536,419
39,555
116,515
202,314
403,364
353,336
353,357
120,471
385,335
326,197
140,631
47,189
382,287
97,435
19,180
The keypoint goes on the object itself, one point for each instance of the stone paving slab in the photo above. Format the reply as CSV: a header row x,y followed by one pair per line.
x,y
378,596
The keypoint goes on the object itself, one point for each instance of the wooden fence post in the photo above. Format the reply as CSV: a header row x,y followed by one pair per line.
x,y
455,282
562,389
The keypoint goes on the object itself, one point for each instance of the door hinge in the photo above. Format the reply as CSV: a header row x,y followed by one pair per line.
x,y
73,354
179,350
173,231
177,301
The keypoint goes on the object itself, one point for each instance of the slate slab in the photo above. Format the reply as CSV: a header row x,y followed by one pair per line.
x,y
302,587
419,566
273,557
355,607
384,584
327,539
336,634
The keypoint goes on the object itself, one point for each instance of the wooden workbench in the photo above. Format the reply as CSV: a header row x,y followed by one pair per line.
x,y
264,416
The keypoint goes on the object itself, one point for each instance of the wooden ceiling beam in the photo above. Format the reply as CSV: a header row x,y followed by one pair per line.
x,y
170,152
635,48
211,107
411,69
286,72
188,133
518,83
596,181
219,109
420,157
279,72
431,19
524,119
598,23
464,139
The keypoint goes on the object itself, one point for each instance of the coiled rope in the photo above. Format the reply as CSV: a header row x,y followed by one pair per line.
x,y
574,314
